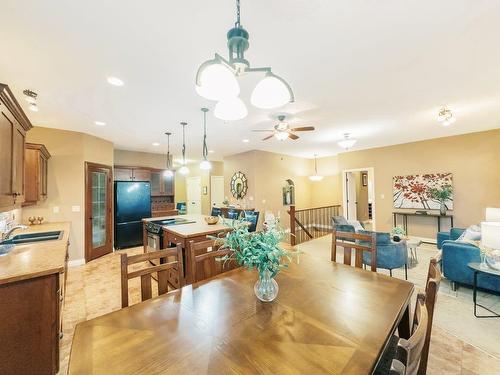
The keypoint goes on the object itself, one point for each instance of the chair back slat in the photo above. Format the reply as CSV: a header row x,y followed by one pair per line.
x,y
169,259
347,240
205,260
431,289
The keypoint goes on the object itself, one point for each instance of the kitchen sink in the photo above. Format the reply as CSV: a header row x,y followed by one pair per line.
x,y
26,238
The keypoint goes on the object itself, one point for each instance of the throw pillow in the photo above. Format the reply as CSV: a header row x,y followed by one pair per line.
x,y
340,220
472,233
356,224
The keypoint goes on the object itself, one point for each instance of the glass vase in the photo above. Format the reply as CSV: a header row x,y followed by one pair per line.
x,y
266,288
484,265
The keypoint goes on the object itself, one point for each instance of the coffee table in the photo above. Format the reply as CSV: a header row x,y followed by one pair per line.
x,y
476,268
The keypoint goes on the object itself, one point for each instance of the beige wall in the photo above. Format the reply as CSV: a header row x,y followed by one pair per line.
x,y
66,178
473,159
145,159
329,190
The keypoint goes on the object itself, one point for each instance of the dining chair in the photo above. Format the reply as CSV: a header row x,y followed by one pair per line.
x,y
233,214
431,288
206,260
409,351
181,207
216,211
357,241
253,218
162,270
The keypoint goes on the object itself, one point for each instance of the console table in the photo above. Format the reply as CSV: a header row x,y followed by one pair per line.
x,y
405,215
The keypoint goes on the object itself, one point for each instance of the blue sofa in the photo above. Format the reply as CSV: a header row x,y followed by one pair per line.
x,y
456,256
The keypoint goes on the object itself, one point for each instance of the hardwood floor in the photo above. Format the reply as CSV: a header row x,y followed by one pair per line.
x,y
94,289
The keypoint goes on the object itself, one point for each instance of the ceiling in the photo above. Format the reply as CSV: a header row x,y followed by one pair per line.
x,y
379,70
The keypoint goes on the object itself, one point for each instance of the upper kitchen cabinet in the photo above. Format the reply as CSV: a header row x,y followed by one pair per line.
x,y
161,184
131,174
13,127
36,169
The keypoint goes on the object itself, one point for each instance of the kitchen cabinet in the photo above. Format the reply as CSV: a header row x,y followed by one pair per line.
x,y
35,169
131,174
13,127
161,184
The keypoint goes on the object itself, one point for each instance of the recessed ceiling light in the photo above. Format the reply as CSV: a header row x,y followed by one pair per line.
x,y
246,140
99,123
115,81
33,107
155,144
211,151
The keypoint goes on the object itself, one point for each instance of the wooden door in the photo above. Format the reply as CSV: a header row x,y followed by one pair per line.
x,y
156,188
44,170
123,174
98,210
193,189
216,190
168,184
6,128
18,144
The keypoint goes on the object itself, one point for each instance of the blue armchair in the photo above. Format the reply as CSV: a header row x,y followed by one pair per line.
x,y
216,211
456,255
253,218
233,214
390,255
181,207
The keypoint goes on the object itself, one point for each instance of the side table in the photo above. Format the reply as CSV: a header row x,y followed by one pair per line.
x,y
476,268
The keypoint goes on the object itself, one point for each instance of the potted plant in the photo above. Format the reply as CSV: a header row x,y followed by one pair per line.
x,y
260,251
442,195
398,233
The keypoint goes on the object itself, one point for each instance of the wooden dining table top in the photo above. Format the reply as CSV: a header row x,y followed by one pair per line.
x,y
328,318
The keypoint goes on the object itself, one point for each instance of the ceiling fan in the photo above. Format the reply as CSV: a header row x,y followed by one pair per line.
x,y
283,131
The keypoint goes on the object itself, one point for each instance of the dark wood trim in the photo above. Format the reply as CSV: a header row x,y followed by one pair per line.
x,y
8,98
108,248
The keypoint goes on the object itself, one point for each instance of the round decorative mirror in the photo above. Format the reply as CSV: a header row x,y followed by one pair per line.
x,y
239,185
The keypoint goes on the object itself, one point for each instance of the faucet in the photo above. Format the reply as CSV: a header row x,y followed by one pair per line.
x,y
6,235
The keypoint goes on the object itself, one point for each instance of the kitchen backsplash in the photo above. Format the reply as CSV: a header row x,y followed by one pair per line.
x,y
9,218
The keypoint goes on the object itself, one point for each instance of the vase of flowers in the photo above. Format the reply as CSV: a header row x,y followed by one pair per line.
x,y
398,233
442,195
258,250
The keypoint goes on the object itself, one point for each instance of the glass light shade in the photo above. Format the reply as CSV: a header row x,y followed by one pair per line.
x,y
269,93
230,109
168,173
33,107
184,170
30,99
316,177
217,82
281,135
449,120
205,165
347,143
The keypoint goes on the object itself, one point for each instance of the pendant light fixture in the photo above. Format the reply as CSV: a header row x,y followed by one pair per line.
x,y
445,117
216,79
184,170
315,176
169,172
205,164
347,142
31,99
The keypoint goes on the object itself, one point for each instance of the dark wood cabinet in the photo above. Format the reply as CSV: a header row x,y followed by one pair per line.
x,y
13,127
35,169
131,174
161,184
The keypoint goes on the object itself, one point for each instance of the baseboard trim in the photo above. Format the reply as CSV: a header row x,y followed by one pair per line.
x,y
76,262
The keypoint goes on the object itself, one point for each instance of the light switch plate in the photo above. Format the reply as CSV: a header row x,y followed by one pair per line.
x,y
75,208
55,209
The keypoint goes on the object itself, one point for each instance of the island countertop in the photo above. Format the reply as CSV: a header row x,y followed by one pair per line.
x,y
36,259
196,229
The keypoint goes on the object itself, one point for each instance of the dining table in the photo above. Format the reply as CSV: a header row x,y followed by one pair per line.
x,y
328,318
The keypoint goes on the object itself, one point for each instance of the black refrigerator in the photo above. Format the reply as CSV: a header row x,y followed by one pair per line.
x,y
132,203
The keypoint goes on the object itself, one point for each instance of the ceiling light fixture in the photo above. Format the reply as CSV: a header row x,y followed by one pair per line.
x,y
246,140
155,144
315,176
211,151
445,117
184,170
115,81
31,98
281,135
169,172
205,164
216,79
100,123
347,142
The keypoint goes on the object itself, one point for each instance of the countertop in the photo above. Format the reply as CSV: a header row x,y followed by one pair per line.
x,y
35,259
198,228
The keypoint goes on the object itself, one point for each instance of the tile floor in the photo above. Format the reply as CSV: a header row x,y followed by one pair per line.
x,y
94,289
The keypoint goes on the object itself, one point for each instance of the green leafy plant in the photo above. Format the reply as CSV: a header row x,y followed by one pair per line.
x,y
398,231
442,195
259,250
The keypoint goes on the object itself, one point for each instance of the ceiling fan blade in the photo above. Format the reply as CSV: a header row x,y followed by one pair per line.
x,y
293,136
303,129
269,136
263,130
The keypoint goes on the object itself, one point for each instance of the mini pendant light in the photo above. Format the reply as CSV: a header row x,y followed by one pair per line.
x,y
169,171
184,170
315,176
205,164
31,99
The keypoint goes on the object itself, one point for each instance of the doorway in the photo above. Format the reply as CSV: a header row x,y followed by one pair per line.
x,y
216,190
359,196
98,210
193,188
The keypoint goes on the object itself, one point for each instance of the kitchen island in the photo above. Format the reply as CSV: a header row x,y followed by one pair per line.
x,y
194,229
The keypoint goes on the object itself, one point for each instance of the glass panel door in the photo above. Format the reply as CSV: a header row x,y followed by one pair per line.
x,y
99,209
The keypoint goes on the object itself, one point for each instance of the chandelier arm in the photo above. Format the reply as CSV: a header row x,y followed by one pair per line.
x,y
218,59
